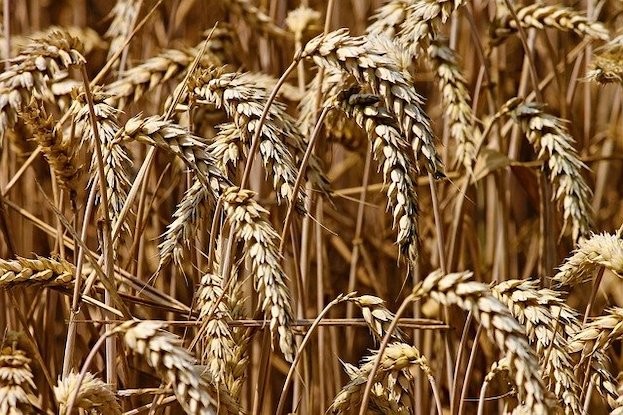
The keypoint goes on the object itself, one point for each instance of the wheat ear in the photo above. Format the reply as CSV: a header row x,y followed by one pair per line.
x,y
124,13
46,271
396,360
599,250
17,385
599,334
32,69
607,64
89,39
244,103
390,149
554,145
249,222
499,323
163,352
94,394
542,16
376,315
59,153
371,63
422,21
532,306
115,155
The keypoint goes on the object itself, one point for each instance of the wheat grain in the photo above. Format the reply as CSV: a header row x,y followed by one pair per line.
x,y
93,396
58,152
540,16
32,69
249,222
390,149
531,307
376,315
499,323
163,352
599,250
46,271
554,145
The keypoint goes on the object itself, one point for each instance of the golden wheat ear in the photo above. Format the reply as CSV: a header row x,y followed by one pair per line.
x,y
93,395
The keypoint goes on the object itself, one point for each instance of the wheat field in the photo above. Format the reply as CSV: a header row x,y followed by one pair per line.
x,y
301,207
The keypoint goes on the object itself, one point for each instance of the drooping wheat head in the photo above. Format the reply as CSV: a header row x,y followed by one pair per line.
x,y
45,271
604,250
541,16
93,396
371,63
249,222
554,145
391,151
164,353
31,71
499,324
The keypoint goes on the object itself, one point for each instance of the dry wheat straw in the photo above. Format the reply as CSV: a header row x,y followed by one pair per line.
x,y
391,150
371,63
59,153
46,271
163,352
32,69
93,396
16,382
599,250
531,306
249,222
124,13
115,155
499,323
244,103
554,145
541,16
396,360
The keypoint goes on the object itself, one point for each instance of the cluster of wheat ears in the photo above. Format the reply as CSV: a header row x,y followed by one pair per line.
x,y
311,206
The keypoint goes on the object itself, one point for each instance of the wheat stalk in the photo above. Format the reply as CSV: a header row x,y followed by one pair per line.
x,y
370,62
163,352
17,386
532,306
93,396
541,16
59,153
46,271
599,250
499,323
390,149
32,69
249,222
554,145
